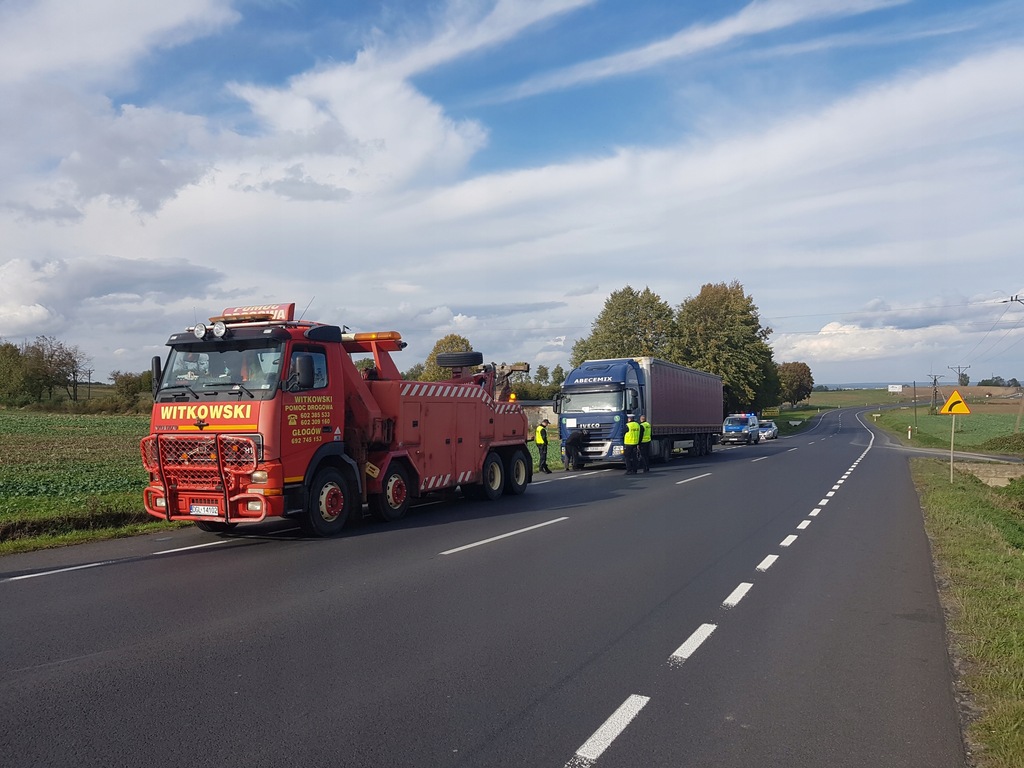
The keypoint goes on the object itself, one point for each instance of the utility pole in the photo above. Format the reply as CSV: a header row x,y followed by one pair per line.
x,y
959,373
935,392
1020,411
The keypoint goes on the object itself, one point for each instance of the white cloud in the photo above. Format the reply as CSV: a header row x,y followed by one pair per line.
x,y
756,18
352,191
98,37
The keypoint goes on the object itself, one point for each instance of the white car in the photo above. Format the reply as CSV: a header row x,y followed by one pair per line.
x,y
768,430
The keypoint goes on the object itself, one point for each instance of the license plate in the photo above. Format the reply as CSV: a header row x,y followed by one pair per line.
x,y
204,509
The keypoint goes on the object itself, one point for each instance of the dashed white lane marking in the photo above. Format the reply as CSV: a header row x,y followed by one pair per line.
x,y
767,563
760,458
787,541
803,525
693,642
698,477
823,502
737,594
595,746
814,512
502,536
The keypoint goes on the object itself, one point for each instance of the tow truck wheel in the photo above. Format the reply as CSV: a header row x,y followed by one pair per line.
x,y
214,527
493,477
517,473
328,504
393,503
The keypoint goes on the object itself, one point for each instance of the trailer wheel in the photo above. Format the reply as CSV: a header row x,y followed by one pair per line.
x,y
328,504
214,527
492,481
393,503
518,473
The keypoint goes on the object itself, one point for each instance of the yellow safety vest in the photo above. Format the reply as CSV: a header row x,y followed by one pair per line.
x,y
646,427
542,435
632,436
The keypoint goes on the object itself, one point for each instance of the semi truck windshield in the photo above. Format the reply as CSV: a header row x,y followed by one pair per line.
x,y
591,402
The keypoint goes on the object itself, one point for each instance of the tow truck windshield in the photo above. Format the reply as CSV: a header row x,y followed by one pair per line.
x,y
244,370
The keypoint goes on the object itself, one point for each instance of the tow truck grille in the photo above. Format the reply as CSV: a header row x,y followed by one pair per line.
x,y
198,462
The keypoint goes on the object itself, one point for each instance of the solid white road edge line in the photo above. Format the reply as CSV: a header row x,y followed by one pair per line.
x,y
194,546
502,536
59,570
104,562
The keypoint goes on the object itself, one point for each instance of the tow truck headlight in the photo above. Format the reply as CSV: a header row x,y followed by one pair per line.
x,y
199,330
256,505
259,476
220,329
160,502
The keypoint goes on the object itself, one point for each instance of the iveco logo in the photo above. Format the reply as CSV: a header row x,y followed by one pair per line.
x,y
589,426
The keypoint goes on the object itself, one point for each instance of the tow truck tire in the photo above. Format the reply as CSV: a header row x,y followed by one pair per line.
x,y
214,527
492,479
517,473
329,503
393,502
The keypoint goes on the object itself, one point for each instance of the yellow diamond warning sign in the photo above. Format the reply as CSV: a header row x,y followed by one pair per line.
x,y
954,405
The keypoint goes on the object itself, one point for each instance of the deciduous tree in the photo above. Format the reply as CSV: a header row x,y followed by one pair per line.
x,y
632,324
796,381
719,330
450,343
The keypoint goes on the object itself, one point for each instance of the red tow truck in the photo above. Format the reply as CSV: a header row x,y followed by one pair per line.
x,y
259,415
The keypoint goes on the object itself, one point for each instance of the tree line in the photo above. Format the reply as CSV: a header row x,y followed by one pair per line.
x,y
48,370
719,330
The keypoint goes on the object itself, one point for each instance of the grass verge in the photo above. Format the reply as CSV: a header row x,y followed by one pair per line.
x,y
977,538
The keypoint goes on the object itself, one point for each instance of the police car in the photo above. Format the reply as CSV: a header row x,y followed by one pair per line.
x,y
741,428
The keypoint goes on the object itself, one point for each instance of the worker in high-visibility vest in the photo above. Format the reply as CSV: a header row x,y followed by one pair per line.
x,y
541,438
631,444
645,443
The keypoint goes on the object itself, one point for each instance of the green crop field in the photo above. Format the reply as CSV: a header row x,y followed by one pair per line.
x,y
63,476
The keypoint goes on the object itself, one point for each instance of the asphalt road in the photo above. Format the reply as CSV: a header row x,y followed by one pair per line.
x,y
765,605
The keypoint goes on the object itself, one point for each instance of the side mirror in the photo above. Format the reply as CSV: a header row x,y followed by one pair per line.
x,y
557,407
155,367
301,376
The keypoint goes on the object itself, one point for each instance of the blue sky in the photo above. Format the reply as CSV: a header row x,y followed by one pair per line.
x,y
498,169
